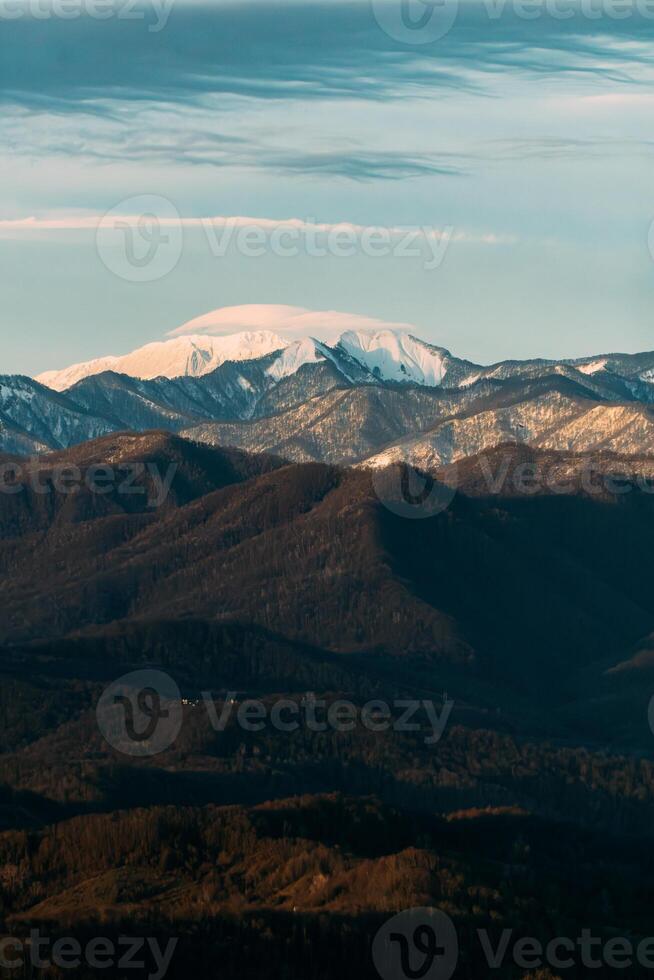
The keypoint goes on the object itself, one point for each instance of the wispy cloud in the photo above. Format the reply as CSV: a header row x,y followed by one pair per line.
x,y
297,51
288,320
178,97
568,147
364,165
216,223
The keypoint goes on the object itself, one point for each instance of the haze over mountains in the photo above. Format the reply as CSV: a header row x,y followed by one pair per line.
x,y
372,397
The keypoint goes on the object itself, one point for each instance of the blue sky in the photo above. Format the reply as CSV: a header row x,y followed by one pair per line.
x,y
529,140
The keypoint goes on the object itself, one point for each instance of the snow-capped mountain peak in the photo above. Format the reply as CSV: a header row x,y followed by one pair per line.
x,y
190,355
59,380
396,355
299,352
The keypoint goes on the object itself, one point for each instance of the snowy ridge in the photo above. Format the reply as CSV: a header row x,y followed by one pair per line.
x,y
592,367
188,356
380,355
298,353
383,355
372,391
66,378
393,355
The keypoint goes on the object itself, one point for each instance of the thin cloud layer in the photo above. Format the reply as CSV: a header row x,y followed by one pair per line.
x,y
295,51
215,224
124,94
285,320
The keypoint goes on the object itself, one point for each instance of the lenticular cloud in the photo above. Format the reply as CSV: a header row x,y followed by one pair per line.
x,y
327,324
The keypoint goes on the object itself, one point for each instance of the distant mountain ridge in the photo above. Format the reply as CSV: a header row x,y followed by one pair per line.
x,y
385,355
192,355
372,397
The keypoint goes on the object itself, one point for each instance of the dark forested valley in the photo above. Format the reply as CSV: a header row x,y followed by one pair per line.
x,y
279,853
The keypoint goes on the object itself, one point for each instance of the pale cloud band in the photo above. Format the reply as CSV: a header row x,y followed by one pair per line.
x,y
326,325
154,227
92,223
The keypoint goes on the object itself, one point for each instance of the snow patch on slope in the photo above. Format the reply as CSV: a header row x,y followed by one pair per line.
x,y
394,355
60,380
299,352
192,355
16,389
592,367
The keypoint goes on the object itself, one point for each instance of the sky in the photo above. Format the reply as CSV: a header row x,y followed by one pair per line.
x,y
478,171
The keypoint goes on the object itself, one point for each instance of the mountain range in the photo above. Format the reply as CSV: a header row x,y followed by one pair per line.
x,y
370,398
306,560
529,617
189,355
